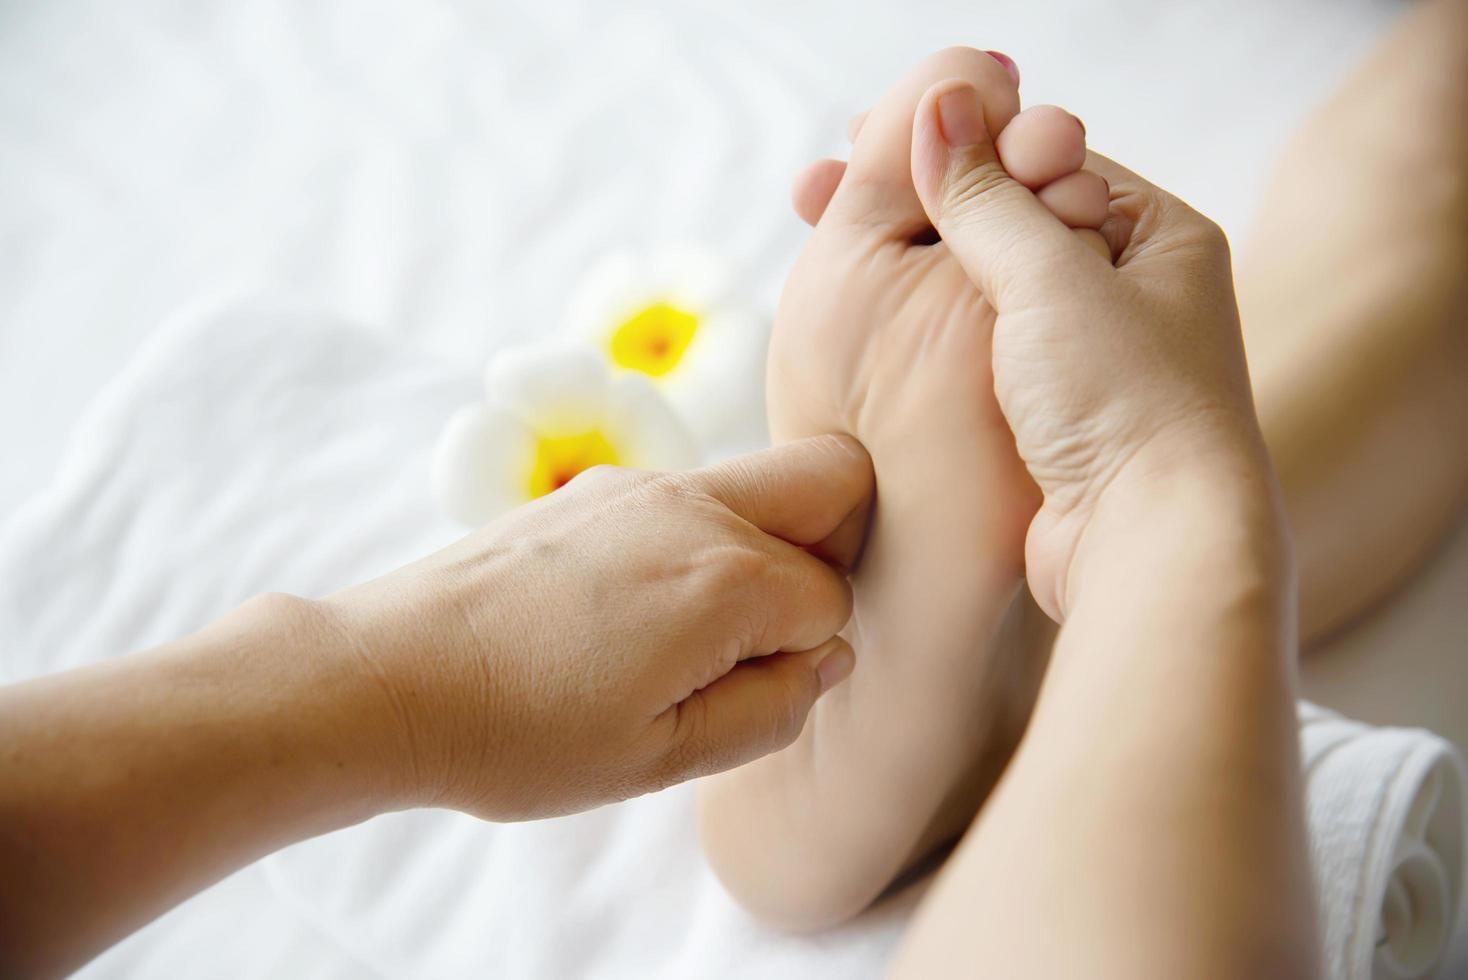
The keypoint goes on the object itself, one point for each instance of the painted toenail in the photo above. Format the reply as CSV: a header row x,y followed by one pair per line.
x,y
960,116
1007,62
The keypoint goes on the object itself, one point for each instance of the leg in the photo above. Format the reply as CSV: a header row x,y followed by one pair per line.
x,y
1354,290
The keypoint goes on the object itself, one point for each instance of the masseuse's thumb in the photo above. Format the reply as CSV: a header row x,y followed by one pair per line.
x,y
812,492
757,708
1010,245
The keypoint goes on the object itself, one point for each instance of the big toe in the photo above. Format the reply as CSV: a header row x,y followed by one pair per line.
x,y
877,188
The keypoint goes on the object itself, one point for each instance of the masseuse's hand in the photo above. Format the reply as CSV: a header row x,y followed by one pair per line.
x,y
620,635
1161,543
1116,354
617,636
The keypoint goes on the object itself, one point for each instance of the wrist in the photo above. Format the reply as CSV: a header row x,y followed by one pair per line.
x,y
419,671
1199,523
320,711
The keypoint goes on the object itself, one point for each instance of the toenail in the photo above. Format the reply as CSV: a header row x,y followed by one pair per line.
x,y
1007,62
960,116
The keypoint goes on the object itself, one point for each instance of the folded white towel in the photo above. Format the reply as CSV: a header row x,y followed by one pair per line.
x,y
1386,814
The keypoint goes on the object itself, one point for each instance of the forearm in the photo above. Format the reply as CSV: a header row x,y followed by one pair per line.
x,y
1150,825
127,786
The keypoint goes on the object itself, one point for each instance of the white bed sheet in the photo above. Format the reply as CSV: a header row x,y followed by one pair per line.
x,y
433,174
436,170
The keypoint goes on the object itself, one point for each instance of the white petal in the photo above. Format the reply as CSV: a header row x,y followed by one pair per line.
x,y
481,464
556,390
645,429
689,277
613,289
718,387
618,286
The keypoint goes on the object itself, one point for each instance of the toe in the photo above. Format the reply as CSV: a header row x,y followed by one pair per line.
x,y
1079,199
813,189
877,190
1042,144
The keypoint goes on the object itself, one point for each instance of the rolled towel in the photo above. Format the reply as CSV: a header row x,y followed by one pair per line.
x,y
1386,814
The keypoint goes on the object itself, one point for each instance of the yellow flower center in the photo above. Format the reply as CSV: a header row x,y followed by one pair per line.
x,y
654,339
559,458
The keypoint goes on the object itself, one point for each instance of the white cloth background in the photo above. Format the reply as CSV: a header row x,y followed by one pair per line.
x,y
434,173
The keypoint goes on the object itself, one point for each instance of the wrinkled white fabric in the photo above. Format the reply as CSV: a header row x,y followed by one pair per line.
x,y
443,171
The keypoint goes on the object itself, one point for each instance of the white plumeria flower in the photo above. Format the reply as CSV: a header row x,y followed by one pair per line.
x,y
669,317
549,413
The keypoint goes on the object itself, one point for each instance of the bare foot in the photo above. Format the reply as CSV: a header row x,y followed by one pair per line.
x,y
881,335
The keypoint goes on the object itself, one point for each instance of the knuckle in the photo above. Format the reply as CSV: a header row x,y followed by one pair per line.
x,y
1193,228
970,188
603,477
1210,235
673,486
735,567
693,751
787,717
683,495
1221,249
741,480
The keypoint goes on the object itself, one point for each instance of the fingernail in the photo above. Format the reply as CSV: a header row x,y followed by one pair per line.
x,y
1079,122
835,668
1007,62
961,117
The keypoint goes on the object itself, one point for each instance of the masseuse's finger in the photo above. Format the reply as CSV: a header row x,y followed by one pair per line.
x,y
813,188
1013,249
1148,227
813,492
757,708
791,600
